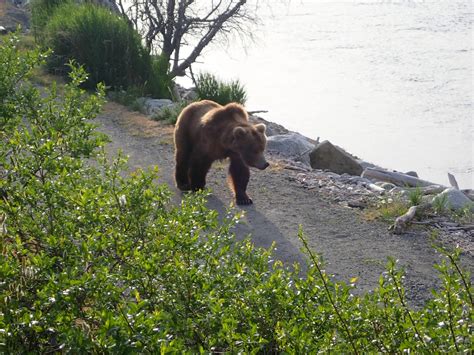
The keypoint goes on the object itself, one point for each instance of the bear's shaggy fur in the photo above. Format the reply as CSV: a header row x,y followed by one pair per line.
x,y
205,132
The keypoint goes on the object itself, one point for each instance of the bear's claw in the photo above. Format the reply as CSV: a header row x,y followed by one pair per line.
x,y
244,201
184,187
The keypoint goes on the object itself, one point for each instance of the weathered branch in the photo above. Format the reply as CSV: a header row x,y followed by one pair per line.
x,y
257,111
178,70
452,181
168,25
402,222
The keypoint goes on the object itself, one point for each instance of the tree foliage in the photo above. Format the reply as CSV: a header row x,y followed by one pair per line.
x,y
94,261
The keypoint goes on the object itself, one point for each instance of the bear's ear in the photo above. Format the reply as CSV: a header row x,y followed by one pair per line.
x,y
261,127
239,132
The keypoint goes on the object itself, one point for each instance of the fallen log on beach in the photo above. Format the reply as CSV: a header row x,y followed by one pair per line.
x,y
396,178
428,190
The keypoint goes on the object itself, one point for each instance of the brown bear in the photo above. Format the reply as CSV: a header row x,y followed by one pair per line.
x,y
206,131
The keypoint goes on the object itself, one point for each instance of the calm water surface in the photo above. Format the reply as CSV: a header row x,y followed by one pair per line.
x,y
390,81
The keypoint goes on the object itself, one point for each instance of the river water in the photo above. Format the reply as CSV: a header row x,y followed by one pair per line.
x,y
389,81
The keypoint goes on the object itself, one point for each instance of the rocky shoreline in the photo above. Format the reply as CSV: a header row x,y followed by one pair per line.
x,y
352,182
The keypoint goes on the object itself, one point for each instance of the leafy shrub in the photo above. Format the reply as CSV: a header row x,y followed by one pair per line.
x,y
208,87
95,262
14,69
108,48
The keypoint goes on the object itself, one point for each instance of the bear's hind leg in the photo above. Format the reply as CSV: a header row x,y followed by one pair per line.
x,y
182,170
239,175
198,171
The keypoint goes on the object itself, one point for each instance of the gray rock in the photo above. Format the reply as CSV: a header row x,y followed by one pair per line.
x,y
293,145
412,173
454,199
190,95
273,129
327,156
152,106
366,164
361,204
385,185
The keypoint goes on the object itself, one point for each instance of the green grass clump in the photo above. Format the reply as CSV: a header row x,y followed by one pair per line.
x,y
387,210
108,48
415,196
94,260
208,87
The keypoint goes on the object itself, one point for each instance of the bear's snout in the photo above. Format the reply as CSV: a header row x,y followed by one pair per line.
x,y
262,165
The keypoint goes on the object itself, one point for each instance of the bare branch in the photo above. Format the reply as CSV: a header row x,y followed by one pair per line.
x,y
167,26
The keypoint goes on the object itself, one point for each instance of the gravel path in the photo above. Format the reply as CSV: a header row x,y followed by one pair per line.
x,y
350,245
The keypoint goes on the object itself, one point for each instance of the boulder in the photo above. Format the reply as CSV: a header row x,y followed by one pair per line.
x,y
291,145
190,95
152,106
412,173
327,156
273,129
455,199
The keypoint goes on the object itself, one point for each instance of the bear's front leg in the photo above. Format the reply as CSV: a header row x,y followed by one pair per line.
x,y
239,175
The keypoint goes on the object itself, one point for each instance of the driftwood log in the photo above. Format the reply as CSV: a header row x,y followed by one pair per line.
x,y
429,190
469,193
402,222
250,113
396,178
453,181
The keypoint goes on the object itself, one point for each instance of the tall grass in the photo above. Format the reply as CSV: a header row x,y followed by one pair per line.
x,y
41,12
108,48
208,87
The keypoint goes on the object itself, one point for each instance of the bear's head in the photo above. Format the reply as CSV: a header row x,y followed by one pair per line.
x,y
250,141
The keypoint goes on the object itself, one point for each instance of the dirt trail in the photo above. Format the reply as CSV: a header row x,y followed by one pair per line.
x,y
350,246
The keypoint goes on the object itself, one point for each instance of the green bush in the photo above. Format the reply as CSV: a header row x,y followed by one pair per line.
x,y
108,48
93,261
208,87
